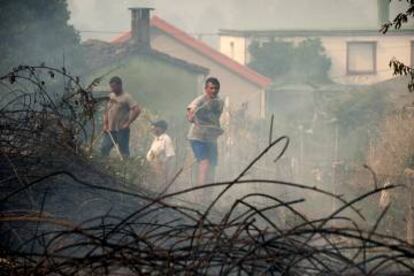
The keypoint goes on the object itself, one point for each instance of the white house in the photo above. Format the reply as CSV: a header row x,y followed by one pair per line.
x,y
358,56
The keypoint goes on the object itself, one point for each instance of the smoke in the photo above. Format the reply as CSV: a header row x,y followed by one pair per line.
x,y
205,18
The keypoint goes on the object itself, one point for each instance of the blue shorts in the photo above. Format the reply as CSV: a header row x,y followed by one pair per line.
x,y
205,150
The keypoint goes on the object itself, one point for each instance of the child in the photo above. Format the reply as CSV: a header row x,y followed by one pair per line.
x,y
161,154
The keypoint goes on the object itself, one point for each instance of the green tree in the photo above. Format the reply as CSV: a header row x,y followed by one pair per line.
x,y
33,32
280,60
272,59
310,61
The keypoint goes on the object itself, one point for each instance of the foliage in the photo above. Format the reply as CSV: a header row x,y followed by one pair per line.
x,y
401,18
36,32
393,150
272,59
310,61
399,68
361,107
280,59
359,114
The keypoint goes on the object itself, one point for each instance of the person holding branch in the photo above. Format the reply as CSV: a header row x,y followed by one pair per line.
x,y
204,115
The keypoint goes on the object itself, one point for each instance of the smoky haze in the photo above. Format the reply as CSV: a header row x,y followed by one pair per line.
x,y
104,18
333,129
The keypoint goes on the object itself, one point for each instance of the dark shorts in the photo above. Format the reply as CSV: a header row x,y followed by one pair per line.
x,y
204,150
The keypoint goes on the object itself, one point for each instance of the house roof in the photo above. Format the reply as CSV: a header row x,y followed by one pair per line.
x,y
314,32
179,62
204,49
101,53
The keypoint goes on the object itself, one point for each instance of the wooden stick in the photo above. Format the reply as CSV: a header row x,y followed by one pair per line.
x,y
116,146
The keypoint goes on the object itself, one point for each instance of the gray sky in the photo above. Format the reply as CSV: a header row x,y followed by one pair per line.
x,y
206,17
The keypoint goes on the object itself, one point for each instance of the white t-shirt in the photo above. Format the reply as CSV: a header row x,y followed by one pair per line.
x,y
161,149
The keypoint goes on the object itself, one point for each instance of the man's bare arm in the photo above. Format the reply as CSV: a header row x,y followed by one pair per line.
x,y
133,115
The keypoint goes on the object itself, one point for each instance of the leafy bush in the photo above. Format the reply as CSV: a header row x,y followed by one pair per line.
x,y
280,59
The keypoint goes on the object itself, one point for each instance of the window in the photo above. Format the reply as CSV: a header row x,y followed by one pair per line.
x,y
361,58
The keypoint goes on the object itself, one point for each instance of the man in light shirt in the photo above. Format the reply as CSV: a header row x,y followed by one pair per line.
x,y
121,111
204,115
161,154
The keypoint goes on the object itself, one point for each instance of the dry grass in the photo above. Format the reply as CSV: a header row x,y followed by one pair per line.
x,y
138,234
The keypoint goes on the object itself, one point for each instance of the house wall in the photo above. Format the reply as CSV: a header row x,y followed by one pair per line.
x,y
234,47
236,89
241,45
156,84
388,46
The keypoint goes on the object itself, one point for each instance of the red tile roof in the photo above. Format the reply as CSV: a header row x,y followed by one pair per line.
x,y
204,49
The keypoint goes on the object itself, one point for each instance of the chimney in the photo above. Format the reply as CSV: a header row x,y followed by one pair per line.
x,y
140,27
383,7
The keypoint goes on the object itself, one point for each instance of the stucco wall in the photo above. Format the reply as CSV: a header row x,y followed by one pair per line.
x,y
237,89
387,48
234,47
